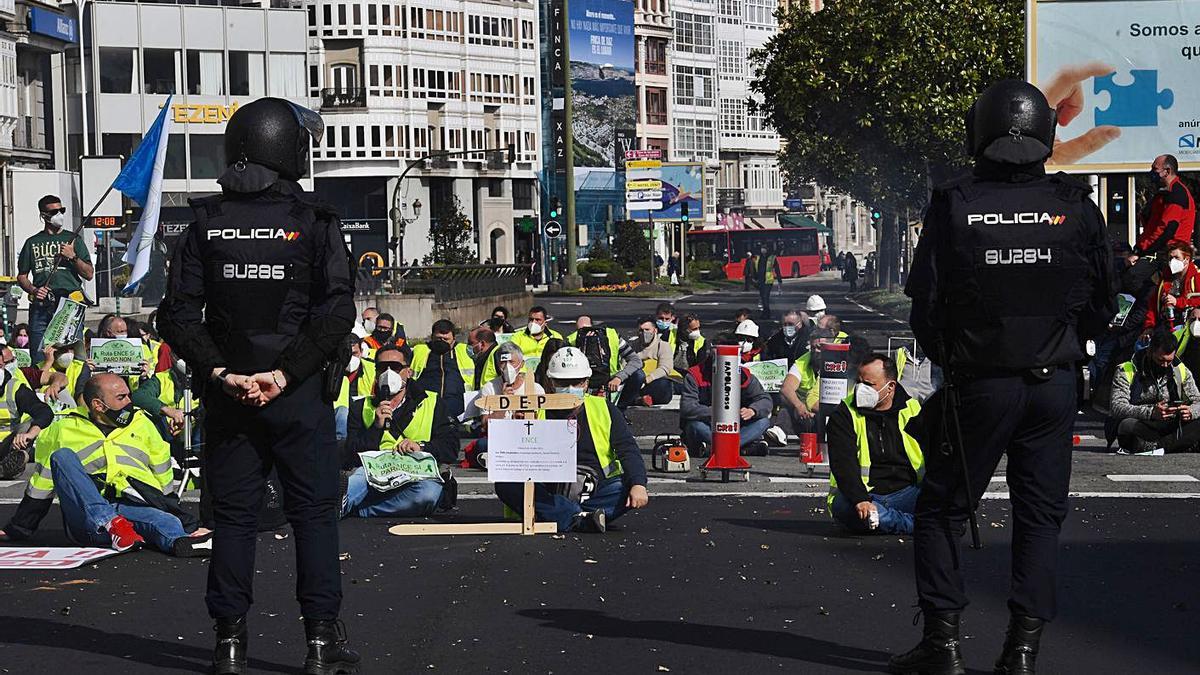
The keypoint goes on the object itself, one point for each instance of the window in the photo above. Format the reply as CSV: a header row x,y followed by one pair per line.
x,y
732,59
495,187
160,71
693,33
694,139
208,155
656,105
694,86
733,116
247,74
730,11
656,56
287,75
757,122
490,30
343,76
761,13
120,144
175,166
118,70
205,73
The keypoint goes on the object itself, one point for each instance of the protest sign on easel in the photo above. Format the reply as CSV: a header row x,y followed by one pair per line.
x,y
522,449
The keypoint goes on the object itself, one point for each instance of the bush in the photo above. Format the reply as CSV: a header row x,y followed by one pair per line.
x,y
641,271
696,270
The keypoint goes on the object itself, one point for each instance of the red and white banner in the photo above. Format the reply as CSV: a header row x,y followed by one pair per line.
x,y
59,558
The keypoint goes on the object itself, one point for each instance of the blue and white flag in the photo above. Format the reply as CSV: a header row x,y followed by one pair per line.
x,y
141,181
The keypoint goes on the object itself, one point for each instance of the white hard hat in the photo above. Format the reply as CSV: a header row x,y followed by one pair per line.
x,y
747,328
815,304
569,363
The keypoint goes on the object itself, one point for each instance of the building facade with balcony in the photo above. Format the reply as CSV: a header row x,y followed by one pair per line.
x,y
33,39
397,81
694,112
652,31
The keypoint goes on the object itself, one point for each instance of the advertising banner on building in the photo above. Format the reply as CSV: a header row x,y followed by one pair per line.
x,y
1132,63
682,182
604,98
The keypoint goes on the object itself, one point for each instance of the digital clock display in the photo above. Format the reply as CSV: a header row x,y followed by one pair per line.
x,y
105,222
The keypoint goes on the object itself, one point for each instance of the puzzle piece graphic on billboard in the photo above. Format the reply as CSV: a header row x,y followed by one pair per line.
x,y
1133,105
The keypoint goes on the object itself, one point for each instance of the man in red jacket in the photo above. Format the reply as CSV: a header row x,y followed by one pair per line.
x,y
1172,210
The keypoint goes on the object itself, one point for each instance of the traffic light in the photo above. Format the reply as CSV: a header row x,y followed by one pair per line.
x,y
554,208
512,153
876,217
683,211
526,224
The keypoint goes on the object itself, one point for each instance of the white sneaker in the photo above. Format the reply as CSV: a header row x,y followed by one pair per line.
x,y
1157,452
775,436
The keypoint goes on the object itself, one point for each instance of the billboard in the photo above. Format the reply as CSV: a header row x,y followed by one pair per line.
x,y
681,182
603,94
1129,71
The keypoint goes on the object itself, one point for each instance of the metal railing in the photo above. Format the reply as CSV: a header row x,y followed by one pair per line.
x,y
444,282
333,99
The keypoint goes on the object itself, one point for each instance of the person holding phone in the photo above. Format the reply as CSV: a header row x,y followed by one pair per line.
x,y
1155,401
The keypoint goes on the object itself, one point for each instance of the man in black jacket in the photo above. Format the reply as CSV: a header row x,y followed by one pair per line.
x,y
875,465
790,341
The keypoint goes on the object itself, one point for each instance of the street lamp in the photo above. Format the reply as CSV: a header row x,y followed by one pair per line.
x,y
399,222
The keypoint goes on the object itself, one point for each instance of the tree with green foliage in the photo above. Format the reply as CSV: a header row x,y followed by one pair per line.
x,y
870,96
452,234
630,247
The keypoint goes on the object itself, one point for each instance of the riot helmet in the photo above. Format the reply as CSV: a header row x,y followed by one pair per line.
x,y
273,133
1012,123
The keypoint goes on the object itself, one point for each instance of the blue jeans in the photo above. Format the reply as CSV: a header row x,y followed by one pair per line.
x,y
609,497
40,314
696,432
341,420
412,500
86,513
895,511
631,390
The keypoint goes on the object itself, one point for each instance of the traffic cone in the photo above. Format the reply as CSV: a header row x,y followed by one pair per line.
x,y
810,450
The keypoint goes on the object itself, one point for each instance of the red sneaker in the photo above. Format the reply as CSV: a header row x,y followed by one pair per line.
x,y
648,401
124,537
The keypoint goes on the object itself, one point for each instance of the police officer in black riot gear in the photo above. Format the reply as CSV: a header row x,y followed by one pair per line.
x,y
259,302
1010,278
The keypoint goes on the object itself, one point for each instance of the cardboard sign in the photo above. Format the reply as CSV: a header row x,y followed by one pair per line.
x,y
502,338
539,450
1125,304
66,324
835,366
65,558
387,470
770,374
24,358
528,402
117,355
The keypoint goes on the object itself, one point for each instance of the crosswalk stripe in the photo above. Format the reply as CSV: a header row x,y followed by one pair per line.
x,y
1152,478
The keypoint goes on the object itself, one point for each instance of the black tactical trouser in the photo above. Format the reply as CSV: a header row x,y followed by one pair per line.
x,y
295,435
1031,422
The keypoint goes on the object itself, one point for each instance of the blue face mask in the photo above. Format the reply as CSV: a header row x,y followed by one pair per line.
x,y
663,324
577,391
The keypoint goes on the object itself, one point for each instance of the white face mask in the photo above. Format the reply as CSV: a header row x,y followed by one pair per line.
x,y
510,372
390,382
354,364
694,335
11,366
121,335
747,346
1177,265
63,360
57,220
535,328
1195,328
648,336
789,331
865,396
819,314
369,325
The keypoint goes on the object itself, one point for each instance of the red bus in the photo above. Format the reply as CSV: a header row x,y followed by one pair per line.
x,y
796,249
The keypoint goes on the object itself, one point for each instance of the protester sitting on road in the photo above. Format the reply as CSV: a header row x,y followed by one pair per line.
x,y
532,338
17,434
815,306
458,358
500,314
481,341
1155,401
665,322
162,399
62,370
1177,297
746,335
110,444
691,343
695,409
357,382
509,362
801,387
790,342
612,474
20,337
151,346
657,363
833,324
606,351
401,417
550,346
498,326
875,464
385,332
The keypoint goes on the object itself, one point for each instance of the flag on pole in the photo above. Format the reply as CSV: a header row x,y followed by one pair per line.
x,y
141,181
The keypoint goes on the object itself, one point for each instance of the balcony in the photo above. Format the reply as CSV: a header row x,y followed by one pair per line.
x,y
343,99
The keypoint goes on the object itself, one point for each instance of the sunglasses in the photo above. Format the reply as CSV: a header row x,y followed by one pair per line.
x,y
394,366
61,209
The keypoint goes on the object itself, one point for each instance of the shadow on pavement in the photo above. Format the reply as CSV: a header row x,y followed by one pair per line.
x,y
769,642
816,528
156,653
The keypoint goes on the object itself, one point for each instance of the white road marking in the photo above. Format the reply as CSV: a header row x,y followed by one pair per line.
x,y
571,304
758,494
1152,478
10,483
796,479
868,309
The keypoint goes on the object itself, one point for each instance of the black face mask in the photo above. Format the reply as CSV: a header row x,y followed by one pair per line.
x,y
381,336
121,417
439,347
1155,179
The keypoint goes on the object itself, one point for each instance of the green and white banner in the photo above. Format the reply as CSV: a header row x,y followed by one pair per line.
x,y
388,470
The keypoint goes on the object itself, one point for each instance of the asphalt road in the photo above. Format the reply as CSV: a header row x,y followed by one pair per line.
x,y
713,577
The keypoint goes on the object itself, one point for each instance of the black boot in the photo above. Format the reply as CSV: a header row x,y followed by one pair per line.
x,y
1021,646
327,653
229,656
937,653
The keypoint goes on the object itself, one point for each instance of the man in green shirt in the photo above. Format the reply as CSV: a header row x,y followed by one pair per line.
x,y
53,264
